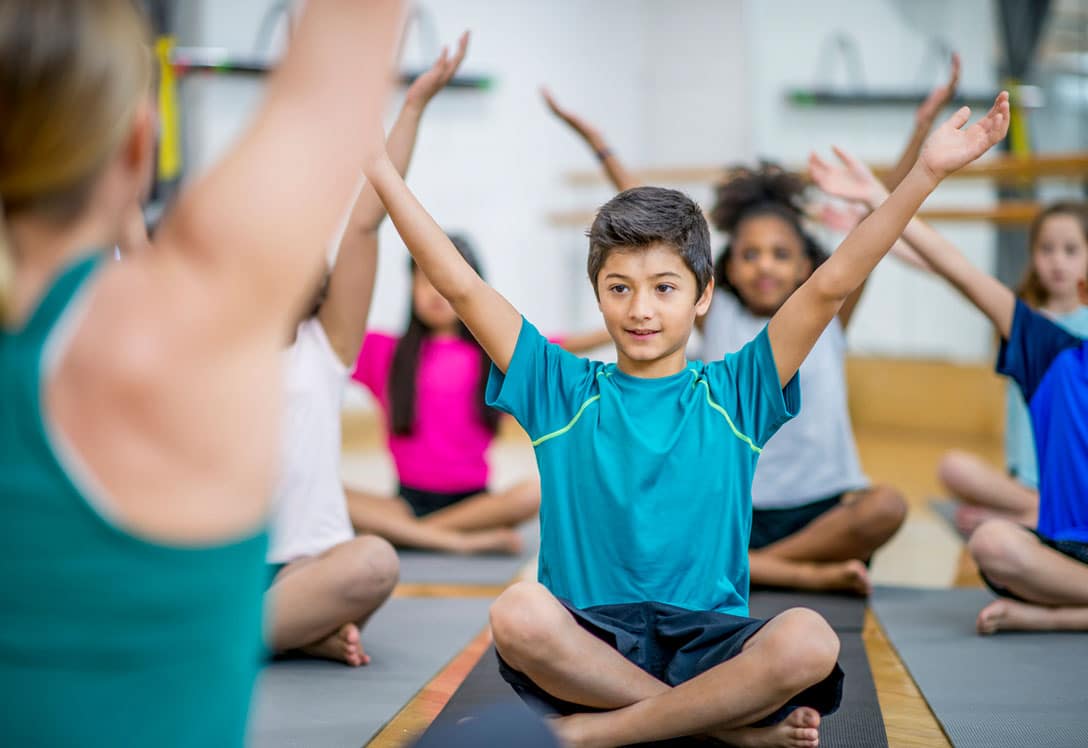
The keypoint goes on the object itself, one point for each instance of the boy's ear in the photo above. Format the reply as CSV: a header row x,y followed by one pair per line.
x,y
702,304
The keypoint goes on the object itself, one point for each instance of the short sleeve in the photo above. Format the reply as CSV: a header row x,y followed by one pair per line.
x,y
1033,344
543,387
746,384
375,359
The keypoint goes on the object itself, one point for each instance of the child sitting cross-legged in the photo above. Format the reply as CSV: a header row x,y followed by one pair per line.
x,y
638,629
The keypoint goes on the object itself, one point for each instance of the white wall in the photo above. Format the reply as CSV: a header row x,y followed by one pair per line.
x,y
694,82
902,312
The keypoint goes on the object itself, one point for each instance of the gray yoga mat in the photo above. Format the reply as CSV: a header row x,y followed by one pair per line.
x,y
843,612
858,722
304,703
1011,689
946,510
421,567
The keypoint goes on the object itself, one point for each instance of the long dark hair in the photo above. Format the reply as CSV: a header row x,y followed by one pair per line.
x,y
402,374
767,190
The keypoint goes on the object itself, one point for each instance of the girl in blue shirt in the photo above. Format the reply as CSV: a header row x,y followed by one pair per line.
x,y
1041,574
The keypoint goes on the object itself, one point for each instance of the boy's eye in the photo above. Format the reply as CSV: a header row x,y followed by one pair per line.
x,y
664,288
617,288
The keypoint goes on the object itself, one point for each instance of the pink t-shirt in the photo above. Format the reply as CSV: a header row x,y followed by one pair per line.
x,y
446,450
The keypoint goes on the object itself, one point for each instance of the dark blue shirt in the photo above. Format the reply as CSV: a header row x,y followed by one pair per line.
x,y
1049,365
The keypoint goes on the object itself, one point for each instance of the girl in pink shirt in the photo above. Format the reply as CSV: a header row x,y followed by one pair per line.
x,y
430,383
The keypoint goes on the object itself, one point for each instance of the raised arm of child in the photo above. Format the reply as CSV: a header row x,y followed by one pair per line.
x,y
344,313
259,221
617,173
851,180
494,322
795,328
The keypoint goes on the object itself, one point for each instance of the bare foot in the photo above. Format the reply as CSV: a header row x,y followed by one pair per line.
x,y
500,540
801,729
342,645
1011,615
842,576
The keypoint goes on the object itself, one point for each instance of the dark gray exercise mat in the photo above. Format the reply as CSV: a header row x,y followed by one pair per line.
x,y
858,723
842,612
308,703
1011,689
422,567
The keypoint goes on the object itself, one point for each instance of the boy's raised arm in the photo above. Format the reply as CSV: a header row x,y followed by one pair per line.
x,y
351,284
795,328
494,322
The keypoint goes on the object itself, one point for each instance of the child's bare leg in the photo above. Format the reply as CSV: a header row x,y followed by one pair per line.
x,y
535,634
794,651
826,554
392,519
319,604
485,511
861,523
769,571
1055,586
989,492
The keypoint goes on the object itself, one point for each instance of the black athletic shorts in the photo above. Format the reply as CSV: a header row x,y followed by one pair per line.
x,y
673,645
425,502
771,525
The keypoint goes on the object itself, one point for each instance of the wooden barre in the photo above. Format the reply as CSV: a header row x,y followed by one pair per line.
x,y
1009,213
1004,169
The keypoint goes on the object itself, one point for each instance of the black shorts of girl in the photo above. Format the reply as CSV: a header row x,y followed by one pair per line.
x,y
425,502
674,645
771,525
1073,549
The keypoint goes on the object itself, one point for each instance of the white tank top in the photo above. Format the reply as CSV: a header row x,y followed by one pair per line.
x,y
310,514
813,456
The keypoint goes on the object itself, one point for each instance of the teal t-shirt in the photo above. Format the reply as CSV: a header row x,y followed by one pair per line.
x,y
646,484
1019,437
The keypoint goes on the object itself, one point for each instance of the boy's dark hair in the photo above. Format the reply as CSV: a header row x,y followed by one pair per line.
x,y
643,216
746,193
405,366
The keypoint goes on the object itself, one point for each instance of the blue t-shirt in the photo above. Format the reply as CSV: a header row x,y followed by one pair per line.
x,y
1019,441
1049,364
646,484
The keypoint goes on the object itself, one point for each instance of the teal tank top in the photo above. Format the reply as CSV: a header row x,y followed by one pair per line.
x,y
105,638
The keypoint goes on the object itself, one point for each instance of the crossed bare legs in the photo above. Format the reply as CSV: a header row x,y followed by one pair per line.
x,y
1053,585
985,492
483,523
536,635
318,605
828,553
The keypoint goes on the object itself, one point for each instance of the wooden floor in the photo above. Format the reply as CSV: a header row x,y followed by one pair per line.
x,y
925,553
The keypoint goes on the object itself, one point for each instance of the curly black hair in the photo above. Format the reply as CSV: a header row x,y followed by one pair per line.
x,y
746,193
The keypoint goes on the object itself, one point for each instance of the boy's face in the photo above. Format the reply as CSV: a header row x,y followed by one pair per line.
x,y
648,301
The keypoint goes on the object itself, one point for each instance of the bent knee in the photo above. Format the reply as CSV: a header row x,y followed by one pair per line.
x,y
524,620
373,567
956,468
996,548
805,649
527,497
886,507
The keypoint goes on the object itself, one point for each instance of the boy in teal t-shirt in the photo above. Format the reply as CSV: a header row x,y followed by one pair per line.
x,y
637,630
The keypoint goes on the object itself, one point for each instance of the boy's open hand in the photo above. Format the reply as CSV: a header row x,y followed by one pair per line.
x,y
424,88
850,179
940,96
951,147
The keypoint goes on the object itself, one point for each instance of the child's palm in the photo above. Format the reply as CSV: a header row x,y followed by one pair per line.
x,y
950,147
